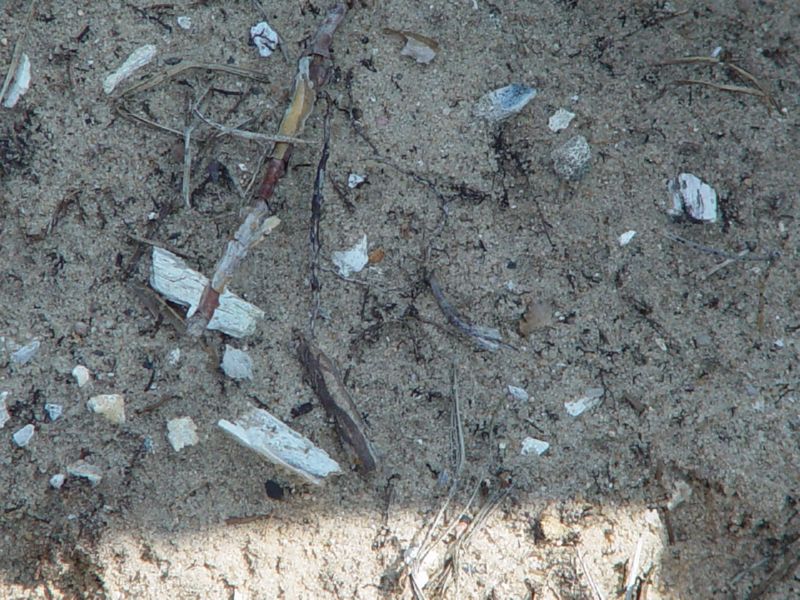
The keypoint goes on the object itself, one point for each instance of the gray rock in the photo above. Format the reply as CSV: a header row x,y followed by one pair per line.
x,y
572,159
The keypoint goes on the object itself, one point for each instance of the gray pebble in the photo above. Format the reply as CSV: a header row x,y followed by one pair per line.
x,y
572,159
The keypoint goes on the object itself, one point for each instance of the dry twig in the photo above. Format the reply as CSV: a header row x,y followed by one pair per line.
x,y
312,71
324,378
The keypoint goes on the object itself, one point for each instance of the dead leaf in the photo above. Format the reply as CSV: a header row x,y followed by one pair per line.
x,y
419,47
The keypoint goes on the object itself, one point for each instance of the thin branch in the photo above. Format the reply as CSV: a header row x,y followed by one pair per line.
x,y
315,242
312,72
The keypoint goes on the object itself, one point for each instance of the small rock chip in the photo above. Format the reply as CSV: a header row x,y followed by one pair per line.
x,y
591,398
57,480
354,180
111,406
181,432
626,237
503,102
26,353
518,393
571,160
4,416
184,22
85,470
22,437
237,364
533,446
560,119
53,410
274,489
81,375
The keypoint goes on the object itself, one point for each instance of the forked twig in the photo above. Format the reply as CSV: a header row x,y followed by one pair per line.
x,y
312,72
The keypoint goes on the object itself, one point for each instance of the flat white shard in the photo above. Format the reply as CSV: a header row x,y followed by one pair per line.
x,y
590,399
57,480
236,363
111,406
264,38
503,102
182,432
560,119
533,446
352,260
22,437
53,410
272,439
354,180
626,237
178,283
692,196
21,84
81,468
137,59
518,393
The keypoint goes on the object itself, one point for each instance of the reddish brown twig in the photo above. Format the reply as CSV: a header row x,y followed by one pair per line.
x,y
312,71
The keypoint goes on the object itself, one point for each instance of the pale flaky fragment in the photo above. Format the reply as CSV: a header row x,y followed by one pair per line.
x,y
269,437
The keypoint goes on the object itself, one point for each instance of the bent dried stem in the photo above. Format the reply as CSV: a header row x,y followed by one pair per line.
x,y
312,71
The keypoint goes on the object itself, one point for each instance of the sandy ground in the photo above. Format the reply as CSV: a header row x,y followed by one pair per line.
x,y
691,456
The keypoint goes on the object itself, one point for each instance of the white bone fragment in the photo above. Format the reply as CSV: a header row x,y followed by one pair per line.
x,y
137,59
182,432
352,260
272,439
22,82
178,283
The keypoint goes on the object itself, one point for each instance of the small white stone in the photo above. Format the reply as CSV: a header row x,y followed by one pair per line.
x,y
81,375
591,398
184,22
571,160
352,260
23,436
26,353
560,119
518,393
354,180
779,343
174,357
264,38
83,469
626,237
4,416
53,410
111,406
181,432
57,480
533,446
236,363
694,197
